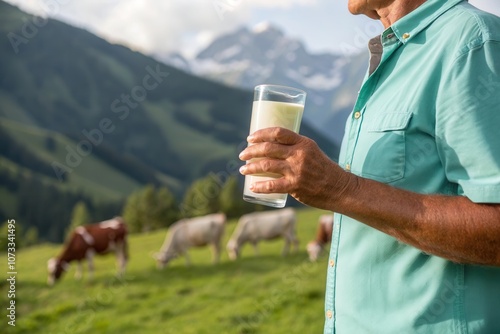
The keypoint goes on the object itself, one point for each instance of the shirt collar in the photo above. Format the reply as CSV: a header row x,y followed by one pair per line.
x,y
411,24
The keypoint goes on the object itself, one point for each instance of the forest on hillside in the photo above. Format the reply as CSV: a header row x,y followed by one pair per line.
x,y
147,209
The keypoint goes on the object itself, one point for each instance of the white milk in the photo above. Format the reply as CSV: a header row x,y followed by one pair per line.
x,y
266,114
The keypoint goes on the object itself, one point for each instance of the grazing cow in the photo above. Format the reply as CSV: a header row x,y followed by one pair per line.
x,y
86,241
193,232
266,225
323,236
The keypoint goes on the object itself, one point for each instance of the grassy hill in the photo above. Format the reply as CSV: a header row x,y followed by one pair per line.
x,y
108,183
255,294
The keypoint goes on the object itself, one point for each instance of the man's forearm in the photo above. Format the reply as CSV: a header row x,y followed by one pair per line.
x,y
452,227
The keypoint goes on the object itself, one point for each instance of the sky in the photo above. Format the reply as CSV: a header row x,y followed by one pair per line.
x,y
186,26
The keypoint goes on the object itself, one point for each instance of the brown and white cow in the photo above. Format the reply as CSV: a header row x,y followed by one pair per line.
x,y
267,225
323,236
192,232
88,240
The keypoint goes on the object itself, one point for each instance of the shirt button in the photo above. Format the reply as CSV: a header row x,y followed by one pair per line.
x,y
329,314
406,35
357,115
331,263
347,167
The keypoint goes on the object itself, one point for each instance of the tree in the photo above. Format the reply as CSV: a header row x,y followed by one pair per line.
x,y
30,237
166,207
201,198
231,199
132,212
79,216
150,208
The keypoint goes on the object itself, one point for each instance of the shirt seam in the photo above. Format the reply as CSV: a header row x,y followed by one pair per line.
x,y
478,42
459,301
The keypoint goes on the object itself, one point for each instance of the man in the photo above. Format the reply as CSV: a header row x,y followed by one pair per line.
x,y
416,244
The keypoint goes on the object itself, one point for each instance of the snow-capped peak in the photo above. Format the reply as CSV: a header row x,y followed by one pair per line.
x,y
261,27
264,54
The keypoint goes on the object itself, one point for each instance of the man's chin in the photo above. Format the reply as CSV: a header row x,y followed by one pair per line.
x,y
357,10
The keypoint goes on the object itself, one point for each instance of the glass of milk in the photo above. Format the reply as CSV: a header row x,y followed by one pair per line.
x,y
273,106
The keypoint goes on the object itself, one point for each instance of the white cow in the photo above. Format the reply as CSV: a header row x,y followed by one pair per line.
x,y
193,232
266,225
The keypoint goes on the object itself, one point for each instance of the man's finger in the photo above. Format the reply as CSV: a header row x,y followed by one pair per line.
x,y
265,167
276,134
264,150
270,187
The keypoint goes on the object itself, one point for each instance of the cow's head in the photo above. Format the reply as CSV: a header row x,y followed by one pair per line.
x,y
55,268
161,260
233,249
313,249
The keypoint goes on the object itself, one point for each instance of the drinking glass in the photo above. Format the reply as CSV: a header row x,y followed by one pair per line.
x,y
273,106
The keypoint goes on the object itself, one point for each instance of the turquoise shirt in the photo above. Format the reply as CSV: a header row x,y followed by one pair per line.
x,y
426,120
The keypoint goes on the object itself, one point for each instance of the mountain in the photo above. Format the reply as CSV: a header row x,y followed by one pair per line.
x,y
81,118
249,57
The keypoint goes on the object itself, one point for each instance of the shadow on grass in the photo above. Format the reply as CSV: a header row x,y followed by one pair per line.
x,y
249,264
259,264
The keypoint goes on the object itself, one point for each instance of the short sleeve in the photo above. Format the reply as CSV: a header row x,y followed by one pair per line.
x,y
468,122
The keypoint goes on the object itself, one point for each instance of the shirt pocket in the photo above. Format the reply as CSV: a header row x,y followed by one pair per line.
x,y
385,159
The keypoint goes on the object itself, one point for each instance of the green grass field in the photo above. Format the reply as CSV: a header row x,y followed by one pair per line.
x,y
267,293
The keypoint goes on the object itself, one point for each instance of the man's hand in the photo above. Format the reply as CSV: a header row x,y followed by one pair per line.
x,y
308,174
